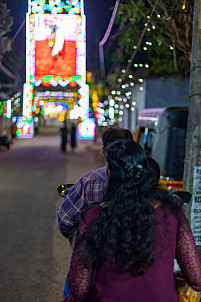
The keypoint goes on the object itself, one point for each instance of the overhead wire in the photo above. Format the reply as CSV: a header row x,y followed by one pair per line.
x,y
18,31
2,67
102,42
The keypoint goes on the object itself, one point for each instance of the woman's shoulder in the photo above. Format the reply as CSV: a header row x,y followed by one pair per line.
x,y
162,212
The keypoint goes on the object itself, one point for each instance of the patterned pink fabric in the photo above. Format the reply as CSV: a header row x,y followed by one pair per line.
x,y
79,278
157,284
187,255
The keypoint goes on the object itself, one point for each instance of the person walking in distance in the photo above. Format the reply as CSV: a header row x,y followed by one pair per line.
x,y
73,142
64,133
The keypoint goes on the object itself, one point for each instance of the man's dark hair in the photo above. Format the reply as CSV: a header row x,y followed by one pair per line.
x,y
112,134
153,166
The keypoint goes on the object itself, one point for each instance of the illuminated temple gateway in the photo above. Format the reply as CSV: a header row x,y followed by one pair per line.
x,y
55,63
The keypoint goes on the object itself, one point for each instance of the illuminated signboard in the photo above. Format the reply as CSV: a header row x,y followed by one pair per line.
x,y
56,50
28,100
73,7
3,108
55,56
55,38
24,127
86,129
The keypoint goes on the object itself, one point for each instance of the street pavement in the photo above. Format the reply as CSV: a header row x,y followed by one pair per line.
x,y
34,256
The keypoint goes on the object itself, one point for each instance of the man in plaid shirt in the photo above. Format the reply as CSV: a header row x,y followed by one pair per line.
x,y
89,187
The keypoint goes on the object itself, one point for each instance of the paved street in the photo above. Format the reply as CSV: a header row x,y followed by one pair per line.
x,y
34,256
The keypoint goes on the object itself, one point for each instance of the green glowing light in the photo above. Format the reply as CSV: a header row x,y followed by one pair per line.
x,y
48,78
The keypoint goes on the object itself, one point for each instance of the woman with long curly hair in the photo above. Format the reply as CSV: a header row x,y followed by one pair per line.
x,y
125,247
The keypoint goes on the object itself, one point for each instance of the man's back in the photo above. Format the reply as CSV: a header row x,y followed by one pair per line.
x,y
87,190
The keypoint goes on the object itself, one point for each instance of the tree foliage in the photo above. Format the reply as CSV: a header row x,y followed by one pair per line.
x,y
11,60
5,27
166,45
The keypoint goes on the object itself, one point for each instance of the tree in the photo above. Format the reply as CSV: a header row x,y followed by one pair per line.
x,y
11,61
12,76
192,165
5,46
166,44
5,41
5,27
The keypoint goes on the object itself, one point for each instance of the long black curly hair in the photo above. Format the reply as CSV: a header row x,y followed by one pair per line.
x,y
123,229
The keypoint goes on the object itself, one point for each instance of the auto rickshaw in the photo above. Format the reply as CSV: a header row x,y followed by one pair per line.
x,y
162,133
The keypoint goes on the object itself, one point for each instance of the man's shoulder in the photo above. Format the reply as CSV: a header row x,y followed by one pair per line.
x,y
95,175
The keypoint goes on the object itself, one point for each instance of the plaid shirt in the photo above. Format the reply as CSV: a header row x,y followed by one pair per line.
x,y
87,190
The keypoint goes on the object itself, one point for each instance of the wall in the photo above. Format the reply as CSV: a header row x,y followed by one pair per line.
x,y
167,92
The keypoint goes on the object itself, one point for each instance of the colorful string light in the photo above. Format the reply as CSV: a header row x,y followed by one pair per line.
x,y
71,7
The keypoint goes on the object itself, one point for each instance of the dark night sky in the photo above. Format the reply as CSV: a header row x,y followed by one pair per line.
x,y
97,13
